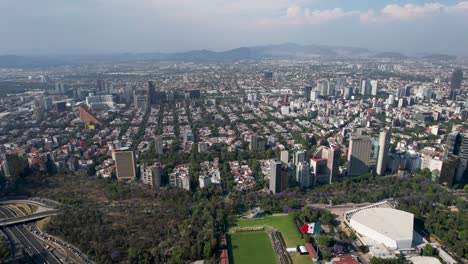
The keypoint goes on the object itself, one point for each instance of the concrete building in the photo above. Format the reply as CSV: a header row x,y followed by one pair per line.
x,y
307,90
314,95
151,93
455,84
318,169
325,165
151,175
375,87
253,142
284,157
384,144
332,155
124,164
158,145
140,100
180,177
204,181
99,102
390,227
202,147
303,176
276,177
359,153
348,92
299,156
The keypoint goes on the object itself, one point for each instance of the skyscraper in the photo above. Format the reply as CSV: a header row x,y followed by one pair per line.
x,y
348,92
38,110
375,87
151,175
464,146
275,177
307,90
455,84
384,142
303,176
364,87
140,100
124,164
324,164
299,156
332,155
151,93
322,87
314,95
359,155
101,85
453,144
253,142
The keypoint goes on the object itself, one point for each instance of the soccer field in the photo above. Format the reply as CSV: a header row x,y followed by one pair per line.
x,y
282,223
251,248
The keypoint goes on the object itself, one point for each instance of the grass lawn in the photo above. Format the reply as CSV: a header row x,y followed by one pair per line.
x,y
251,248
301,259
282,223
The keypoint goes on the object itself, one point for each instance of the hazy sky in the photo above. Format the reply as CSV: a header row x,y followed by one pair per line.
x,y
90,26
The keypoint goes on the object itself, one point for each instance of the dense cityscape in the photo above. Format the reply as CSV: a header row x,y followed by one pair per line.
x,y
234,132
105,151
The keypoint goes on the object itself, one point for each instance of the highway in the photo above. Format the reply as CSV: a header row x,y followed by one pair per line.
x,y
33,246
26,218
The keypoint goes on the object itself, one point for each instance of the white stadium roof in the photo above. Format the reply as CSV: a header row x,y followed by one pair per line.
x,y
391,227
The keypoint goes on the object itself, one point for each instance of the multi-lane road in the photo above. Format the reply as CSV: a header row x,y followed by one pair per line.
x,y
33,246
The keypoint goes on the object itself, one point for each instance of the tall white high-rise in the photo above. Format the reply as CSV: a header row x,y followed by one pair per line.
x,y
384,142
375,87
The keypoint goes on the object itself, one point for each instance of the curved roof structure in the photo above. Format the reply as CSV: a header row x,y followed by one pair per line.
x,y
391,227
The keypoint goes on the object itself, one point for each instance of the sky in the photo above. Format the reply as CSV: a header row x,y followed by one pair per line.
x,y
110,26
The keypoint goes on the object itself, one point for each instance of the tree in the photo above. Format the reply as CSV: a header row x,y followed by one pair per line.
x,y
428,251
325,241
207,251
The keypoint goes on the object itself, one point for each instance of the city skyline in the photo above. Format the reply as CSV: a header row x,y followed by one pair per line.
x,y
104,26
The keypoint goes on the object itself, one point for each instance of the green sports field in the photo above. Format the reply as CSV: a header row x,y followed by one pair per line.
x,y
251,248
282,223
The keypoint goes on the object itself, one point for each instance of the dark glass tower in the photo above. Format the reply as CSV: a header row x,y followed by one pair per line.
x,y
455,84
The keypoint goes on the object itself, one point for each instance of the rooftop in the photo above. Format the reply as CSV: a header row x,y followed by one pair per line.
x,y
395,224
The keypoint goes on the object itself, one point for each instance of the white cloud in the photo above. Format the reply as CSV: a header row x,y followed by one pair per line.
x,y
321,16
145,25
295,14
410,11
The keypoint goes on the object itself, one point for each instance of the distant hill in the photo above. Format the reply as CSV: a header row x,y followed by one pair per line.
x,y
23,61
390,55
440,57
279,51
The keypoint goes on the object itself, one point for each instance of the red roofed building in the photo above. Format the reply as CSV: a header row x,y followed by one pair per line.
x,y
223,241
224,257
345,260
312,253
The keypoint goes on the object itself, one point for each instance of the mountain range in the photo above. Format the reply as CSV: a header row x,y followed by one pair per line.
x,y
281,51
